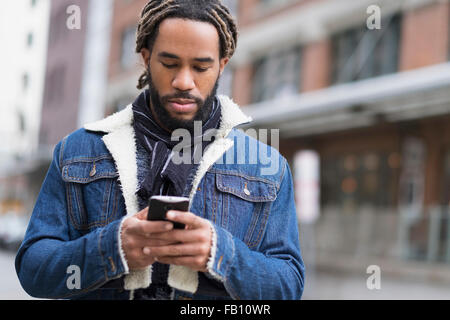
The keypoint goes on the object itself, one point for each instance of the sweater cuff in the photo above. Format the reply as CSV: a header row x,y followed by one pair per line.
x,y
121,252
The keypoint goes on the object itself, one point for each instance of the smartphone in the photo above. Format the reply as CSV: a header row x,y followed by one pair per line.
x,y
159,205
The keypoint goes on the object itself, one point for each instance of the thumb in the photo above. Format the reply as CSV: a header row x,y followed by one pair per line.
x,y
142,215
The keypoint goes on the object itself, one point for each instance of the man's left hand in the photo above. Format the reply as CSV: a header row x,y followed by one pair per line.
x,y
193,245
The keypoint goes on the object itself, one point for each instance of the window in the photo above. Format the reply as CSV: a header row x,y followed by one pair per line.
x,y
128,57
350,181
21,121
25,81
30,39
446,180
277,75
443,231
361,53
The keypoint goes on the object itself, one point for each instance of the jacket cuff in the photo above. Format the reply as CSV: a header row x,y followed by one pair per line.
x,y
222,253
109,249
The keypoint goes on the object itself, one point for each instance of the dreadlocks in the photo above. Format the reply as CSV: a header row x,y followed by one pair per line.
x,y
212,11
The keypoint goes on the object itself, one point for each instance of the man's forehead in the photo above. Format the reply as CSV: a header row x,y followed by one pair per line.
x,y
184,37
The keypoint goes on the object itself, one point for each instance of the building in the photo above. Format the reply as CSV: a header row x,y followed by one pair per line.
x,y
124,64
23,61
63,73
24,27
372,103
76,67
56,64
76,73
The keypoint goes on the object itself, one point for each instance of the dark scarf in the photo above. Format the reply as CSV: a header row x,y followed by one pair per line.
x,y
165,177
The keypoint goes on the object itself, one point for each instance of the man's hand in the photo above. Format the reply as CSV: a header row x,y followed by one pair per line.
x,y
190,247
138,233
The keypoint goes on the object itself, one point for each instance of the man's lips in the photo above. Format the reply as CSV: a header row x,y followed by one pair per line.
x,y
182,105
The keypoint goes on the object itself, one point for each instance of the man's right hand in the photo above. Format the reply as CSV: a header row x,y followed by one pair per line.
x,y
135,235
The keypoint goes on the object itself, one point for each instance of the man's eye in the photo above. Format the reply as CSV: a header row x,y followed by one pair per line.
x,y
200,69
169,66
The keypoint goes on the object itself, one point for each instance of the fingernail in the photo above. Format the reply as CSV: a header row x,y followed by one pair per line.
x,y
169,226
171,214
146,251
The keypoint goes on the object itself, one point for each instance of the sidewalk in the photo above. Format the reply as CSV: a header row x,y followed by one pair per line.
x,y
340,277
344,286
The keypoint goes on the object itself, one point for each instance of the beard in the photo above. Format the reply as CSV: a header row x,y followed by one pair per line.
x,y
203,113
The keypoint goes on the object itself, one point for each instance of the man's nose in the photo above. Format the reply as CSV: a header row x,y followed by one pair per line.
x,y
184,81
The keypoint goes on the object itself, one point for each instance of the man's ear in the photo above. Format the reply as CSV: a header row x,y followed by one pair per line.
x,y
223,63
145,53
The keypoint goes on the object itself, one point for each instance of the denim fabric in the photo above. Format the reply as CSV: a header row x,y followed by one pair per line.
x,y
79,209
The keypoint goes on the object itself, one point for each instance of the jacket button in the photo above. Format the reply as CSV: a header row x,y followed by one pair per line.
x,y
93,171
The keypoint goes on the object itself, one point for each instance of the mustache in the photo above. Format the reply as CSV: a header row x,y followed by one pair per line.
x,y
181,95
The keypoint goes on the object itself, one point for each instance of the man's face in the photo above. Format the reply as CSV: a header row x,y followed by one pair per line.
x,y
185,66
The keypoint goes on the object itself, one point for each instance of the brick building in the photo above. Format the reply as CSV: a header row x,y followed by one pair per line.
x,y
124,65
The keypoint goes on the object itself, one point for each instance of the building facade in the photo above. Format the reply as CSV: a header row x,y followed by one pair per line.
x,y
23,61
57,66
24,28
64,72
77,66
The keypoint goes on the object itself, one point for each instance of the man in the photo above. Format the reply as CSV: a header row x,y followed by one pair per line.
x,y
89,237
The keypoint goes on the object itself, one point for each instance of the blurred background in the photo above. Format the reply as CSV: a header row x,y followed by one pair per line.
x,y
363,110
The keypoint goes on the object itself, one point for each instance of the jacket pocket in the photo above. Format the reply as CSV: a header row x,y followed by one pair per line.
x,y
93,195
244,204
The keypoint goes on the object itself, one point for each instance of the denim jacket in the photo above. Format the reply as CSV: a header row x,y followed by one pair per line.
x,y
72,247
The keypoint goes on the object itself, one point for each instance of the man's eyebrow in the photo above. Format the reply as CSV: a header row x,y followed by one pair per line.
x,y
173,56
167,55
209,60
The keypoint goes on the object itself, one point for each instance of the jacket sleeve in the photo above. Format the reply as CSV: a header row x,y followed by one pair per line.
x,y
276,270
51,265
